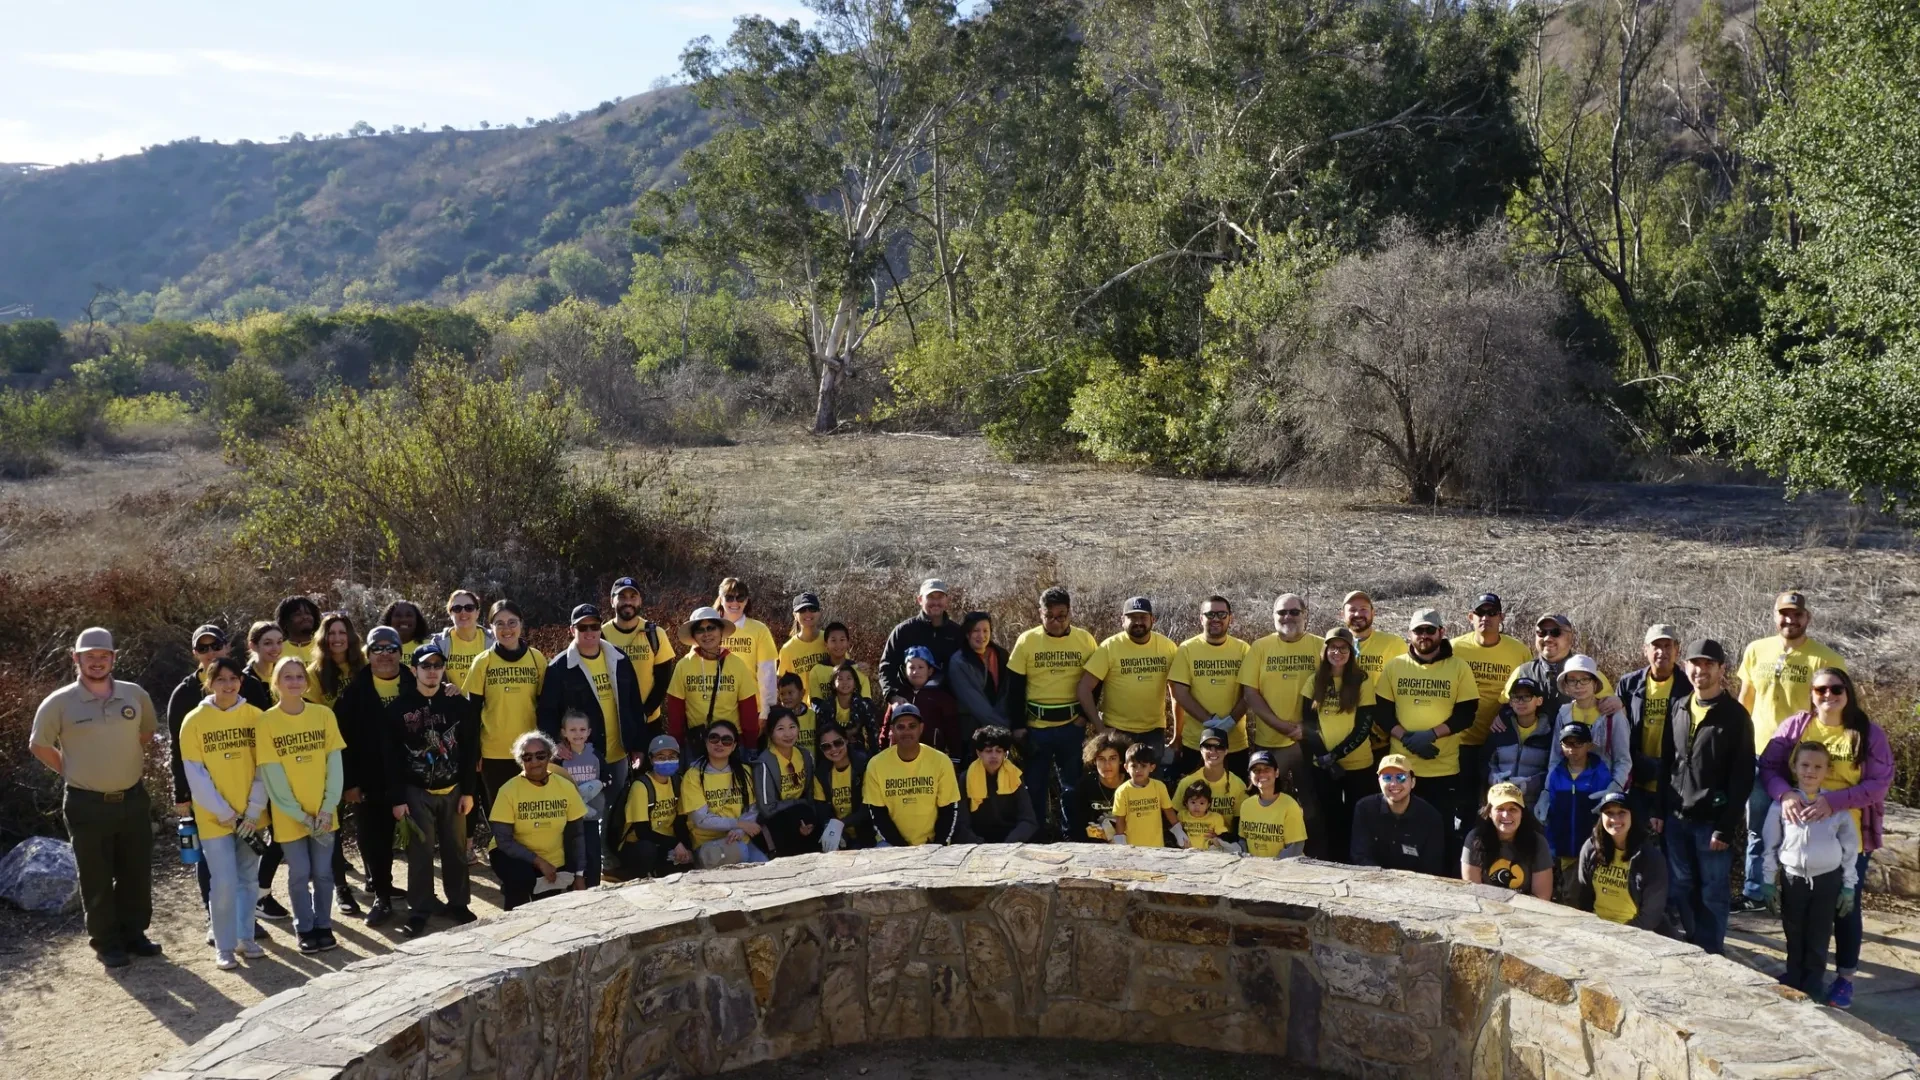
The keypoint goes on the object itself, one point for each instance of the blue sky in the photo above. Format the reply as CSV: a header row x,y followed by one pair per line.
x,y
80,79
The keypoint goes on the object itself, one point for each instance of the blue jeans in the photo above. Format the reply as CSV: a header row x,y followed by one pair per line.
x,y
1757,806
233,886
310,880
1053,751
1699,879
1847,929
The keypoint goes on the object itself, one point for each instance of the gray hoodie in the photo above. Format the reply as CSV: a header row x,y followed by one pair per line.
x,y
1811,848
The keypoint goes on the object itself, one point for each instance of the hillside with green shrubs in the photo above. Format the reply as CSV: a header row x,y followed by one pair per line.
x,y
192,229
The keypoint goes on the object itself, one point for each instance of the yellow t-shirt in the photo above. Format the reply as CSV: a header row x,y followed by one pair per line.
x,y
1611,900
809,720
388,689
1269,829
1492,666
1201,830
1698,709
666,805
1336,725
634,645
800,656
1653,723
1212,673
461,653
719,792
1133,681
1279,669
1228,793
602,680
1424,697
1052,666
694,681
912,791
539,814
510,689
223,743
820,682
1377,650
1781,680
836,786
791,770
1138,809
300,745
753,642
1844,770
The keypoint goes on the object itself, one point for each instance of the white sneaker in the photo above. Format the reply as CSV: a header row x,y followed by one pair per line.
x,y
224,960
252,950
561,879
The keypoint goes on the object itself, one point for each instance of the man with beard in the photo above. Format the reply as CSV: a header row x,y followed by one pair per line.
x,y
1493,656
1647,692
1045,666
1356,610
298,617
1124,687
1706,774
1553,637
1206,687
361,710
1429,698
932,627
1274,677
646,646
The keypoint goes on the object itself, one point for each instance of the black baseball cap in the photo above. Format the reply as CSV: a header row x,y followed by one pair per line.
x,y
584,611
806,600
1576,732
1531,686
1210,735
621,585
218,635
426,649
1705,649
1488,600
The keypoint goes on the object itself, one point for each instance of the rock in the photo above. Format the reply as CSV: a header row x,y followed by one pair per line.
x,y
40,875
1894,870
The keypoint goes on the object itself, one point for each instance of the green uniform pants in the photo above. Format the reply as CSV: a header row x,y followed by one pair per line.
x,y
113,843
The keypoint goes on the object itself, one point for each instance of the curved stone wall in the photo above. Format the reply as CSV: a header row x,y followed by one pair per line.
x,y
1360,973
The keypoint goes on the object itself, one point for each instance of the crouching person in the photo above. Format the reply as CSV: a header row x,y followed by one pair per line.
x,y
655,841
995,808
539,827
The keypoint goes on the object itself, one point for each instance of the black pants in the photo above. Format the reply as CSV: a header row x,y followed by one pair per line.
x,y
516,879
494,772
442,827
1806,914
783,829
1339,795
112,837
373,828
650,856
1448,794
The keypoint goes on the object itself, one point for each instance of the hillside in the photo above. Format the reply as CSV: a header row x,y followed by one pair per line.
x,y
207,228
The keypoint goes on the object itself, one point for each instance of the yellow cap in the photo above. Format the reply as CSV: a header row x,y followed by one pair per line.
x,y
1506,793
1394,761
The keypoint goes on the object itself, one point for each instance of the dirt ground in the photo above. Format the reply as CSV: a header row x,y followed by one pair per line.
x,y
871,514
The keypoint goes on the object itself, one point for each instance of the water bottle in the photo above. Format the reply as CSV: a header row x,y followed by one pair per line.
x,y
189,835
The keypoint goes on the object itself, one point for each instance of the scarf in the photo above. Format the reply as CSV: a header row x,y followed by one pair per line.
x,y
512,655
977,781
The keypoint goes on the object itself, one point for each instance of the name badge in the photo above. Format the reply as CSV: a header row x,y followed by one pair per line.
x,y
1409,849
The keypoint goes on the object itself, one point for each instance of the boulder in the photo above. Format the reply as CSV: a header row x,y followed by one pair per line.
x,y
41,875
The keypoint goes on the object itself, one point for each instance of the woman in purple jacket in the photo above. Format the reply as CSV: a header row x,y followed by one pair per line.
x,y
1862,774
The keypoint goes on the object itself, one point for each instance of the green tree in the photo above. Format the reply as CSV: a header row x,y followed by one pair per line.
x,y
29,346
579,273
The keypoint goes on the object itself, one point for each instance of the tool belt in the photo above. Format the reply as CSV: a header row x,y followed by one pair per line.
x,y
1051,716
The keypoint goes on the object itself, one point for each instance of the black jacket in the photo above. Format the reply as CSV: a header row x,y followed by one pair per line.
x,y
1706,775
1091,800
568,686
363,724
1632,692
982,701
1646,881
859,821
943,640
1383,838
1003,817
431,742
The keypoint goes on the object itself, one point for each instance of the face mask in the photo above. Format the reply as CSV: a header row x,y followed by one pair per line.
x,y
666,768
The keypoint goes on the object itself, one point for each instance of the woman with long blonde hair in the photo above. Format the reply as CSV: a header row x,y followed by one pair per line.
x,y
298,747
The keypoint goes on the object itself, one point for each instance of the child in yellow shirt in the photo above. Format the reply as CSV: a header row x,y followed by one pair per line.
x,y
1141,807
1199,824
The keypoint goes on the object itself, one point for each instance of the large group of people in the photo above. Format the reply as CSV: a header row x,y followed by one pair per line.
x,y
643,750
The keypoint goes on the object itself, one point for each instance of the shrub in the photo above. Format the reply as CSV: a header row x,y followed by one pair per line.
x,y
1437,362
29,346
34,425
148,416
457,477
1167,414
249,399
117,372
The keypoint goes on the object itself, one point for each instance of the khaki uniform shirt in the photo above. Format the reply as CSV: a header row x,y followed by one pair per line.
x,y
102,742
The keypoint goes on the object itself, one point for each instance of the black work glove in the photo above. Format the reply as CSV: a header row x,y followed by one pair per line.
x,y
1420,743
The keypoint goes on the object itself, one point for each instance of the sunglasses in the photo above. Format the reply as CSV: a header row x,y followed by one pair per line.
x,y
536,755
835,745
1394,778
376,650
1551,631
458,608
735,598
1215,614
707,626
430,665
206,648
721,740
1289,611
1830,690
1487,612
588,628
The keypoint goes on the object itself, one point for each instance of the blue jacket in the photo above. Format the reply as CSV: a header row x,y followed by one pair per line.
x,y
1568,807
1508,761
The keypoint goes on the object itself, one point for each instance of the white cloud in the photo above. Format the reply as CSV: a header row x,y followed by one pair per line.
x,y
130,62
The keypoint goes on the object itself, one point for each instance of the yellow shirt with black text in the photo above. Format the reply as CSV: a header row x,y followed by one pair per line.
x,y
1052,666
222,742
912,792
299,745
1271,828
652,787
820,682
1212,673
509,691
799,656
753,642
1612,900
1377,650
1337,723
598,674
1133,681
712,688
720,792
1492,666
1781,679
1139,809
1278,669
539,814
1228,793
1423,696
1201,830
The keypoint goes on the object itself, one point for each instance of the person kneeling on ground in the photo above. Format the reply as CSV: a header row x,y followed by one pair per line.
x,y
1270,821
1507,847
997,809
840,786
539,827
784,783
909,789
656,841
433,774
1623,871
717,798
1396,829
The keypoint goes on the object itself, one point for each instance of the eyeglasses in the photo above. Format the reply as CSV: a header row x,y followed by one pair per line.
x,y
209,647
1830,690
721,740
535,755
1290,612
1550,631
455,609
378,649
588,628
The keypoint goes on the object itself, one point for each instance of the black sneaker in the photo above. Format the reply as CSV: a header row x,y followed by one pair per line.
x,y
380,912
260,931
269,908
326,940
343,899
415,926
114,958
145,946
1743,904
461,916
310,942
